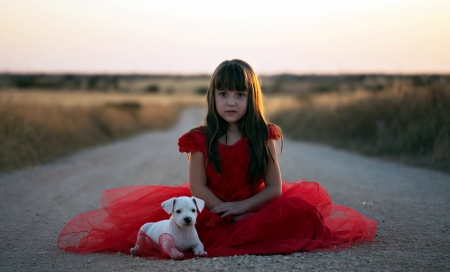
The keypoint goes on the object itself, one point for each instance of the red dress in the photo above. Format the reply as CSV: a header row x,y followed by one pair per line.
x,y
302,219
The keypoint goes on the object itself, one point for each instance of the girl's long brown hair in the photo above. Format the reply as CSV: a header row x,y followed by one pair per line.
x,y
238,75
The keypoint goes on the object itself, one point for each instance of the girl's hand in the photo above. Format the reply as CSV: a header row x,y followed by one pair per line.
x,y
230,208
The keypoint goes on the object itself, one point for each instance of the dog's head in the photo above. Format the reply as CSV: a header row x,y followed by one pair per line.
x,y
184,209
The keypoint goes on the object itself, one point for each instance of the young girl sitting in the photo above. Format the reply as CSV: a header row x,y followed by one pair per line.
x,y
234,169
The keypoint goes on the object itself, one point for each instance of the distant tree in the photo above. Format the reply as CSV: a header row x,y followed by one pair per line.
x,y
24,82
202,90
93,82
152,88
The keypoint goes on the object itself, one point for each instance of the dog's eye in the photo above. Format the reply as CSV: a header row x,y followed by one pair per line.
x,y
193,210
178,211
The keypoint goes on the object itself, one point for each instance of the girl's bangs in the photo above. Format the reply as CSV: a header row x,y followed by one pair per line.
x,y
230,77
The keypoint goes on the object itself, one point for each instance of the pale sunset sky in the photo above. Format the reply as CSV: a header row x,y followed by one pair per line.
x,y
335,36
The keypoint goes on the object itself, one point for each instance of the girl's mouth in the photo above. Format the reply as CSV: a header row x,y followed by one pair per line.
x,y
231,111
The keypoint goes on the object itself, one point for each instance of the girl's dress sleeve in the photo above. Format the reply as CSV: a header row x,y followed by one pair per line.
x,y
274,132
191,142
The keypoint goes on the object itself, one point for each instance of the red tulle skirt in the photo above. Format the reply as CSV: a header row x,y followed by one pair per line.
x,y
302,219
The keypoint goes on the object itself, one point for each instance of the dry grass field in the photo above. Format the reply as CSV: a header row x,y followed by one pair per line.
x,y
402,122
37,126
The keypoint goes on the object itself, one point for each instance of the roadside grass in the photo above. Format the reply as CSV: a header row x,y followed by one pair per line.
x,y
403,123
42,126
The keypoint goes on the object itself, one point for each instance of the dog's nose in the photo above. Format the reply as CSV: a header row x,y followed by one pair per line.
x,y
187,220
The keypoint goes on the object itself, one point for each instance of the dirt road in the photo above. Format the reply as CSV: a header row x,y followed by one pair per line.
x,y
411,206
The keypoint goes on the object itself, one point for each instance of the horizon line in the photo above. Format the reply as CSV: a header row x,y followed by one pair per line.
x,y
174,74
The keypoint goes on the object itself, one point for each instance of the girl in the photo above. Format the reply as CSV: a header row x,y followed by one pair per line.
x,y
234,169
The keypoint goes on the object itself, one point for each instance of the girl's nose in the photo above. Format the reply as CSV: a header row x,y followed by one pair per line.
x,y
231,101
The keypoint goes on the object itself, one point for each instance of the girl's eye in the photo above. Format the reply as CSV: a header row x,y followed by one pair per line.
x,y
241,94
193,210
178,211
222,94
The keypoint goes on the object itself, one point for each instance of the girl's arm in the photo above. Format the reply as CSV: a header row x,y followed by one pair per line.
x,y
197,181
272,180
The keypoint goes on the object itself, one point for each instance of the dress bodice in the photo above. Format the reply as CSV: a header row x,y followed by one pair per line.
x,y
233,183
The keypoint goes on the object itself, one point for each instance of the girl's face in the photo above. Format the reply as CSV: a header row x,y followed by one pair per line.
x,y
231,105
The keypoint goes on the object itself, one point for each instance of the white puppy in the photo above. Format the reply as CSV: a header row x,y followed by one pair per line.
x,y
181,226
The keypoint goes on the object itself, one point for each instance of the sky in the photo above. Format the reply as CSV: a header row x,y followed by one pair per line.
x,y
192,37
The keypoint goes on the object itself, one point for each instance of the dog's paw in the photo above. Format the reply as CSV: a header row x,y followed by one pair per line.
x,y
176,255
203,253
200,252
199,249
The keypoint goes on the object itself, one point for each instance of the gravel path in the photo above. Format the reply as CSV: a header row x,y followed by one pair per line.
x,y
410,204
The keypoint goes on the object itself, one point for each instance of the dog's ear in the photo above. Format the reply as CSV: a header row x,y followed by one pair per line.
x,y
199,203
168,205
